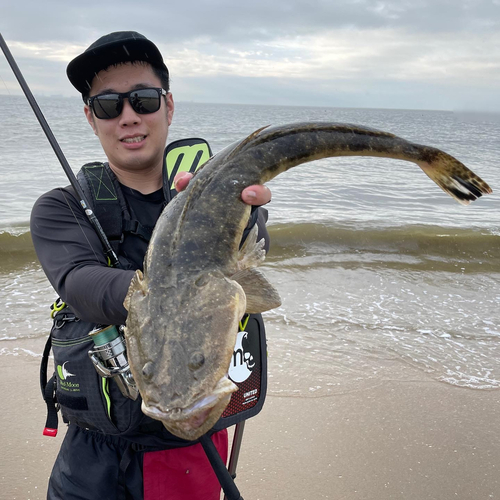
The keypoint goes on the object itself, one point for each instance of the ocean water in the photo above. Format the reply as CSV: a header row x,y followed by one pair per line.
x,y
382,274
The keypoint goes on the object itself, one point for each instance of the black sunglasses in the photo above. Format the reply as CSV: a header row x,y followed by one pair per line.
x,y
143,102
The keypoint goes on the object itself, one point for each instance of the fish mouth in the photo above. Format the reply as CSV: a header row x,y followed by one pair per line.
x,y
199,417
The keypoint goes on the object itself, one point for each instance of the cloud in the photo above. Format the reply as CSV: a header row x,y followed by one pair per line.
x,y
325,49
229,21
347,54
51,51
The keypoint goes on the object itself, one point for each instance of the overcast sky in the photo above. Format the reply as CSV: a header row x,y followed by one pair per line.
x,y
411,54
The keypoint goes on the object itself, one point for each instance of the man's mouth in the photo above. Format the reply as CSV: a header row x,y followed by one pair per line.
x,y
132,140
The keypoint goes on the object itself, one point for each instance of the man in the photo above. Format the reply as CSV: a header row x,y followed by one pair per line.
x,y
118,453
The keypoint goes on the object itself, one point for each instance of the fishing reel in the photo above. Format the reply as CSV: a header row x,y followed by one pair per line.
x,y
110,358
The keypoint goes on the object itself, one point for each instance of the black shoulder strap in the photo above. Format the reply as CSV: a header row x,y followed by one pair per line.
x,y
103,193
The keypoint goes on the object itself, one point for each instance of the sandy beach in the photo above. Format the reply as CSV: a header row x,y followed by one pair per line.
x,y
418,439
384,360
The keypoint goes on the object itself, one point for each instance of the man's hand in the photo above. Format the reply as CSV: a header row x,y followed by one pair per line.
x,y
252,195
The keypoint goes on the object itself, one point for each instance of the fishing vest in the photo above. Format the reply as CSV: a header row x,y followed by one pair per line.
x,y
103,191
94,402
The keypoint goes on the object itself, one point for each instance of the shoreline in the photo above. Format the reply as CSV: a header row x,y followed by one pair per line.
x,y
418,439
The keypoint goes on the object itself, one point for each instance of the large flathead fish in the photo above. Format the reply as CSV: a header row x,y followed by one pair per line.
x,y
197,283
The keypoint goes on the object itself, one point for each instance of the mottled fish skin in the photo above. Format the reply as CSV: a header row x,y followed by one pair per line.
x,y
184,312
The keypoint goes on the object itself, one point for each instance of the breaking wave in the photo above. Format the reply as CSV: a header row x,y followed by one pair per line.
x,y
288,240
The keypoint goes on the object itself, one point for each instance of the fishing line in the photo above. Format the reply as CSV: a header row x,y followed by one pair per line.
x,y
44,158
5,85
79,225
108,250
49,167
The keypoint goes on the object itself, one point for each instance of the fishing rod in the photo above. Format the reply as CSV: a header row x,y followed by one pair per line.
x,y
108,250
226,481
225,477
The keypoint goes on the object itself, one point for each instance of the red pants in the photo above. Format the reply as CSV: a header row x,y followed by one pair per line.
x,y
183,473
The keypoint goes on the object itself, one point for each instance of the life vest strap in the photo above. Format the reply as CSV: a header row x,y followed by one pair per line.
x,y
135,227
52,421
48,393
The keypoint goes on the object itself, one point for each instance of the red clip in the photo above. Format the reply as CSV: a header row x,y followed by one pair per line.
x,y
50,432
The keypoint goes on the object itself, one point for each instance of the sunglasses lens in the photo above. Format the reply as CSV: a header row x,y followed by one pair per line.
x,y
107,106
145,101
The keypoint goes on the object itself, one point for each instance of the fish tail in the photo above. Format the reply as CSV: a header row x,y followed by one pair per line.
x,y
452,176
288,146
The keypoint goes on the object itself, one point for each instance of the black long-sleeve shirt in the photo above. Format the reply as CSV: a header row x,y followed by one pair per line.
x,y
71,254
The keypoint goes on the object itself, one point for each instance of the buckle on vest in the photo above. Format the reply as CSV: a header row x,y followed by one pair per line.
x,y
133,226
57,306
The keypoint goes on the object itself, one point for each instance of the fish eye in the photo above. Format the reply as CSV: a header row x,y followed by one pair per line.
x,y
202,280
197,361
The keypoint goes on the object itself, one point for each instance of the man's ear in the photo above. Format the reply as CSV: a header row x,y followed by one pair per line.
x,y
170,108
90,118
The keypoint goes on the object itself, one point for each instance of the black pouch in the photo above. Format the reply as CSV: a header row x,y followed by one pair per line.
x,y
86,398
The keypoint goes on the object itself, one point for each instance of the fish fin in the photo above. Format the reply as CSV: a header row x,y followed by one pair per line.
x,y
454,178
260,293
252,252
137,283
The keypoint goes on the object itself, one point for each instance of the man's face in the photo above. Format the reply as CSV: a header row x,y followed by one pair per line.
x,y
131,141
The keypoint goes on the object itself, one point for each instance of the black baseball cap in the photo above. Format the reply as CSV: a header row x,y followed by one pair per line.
x,y
117,47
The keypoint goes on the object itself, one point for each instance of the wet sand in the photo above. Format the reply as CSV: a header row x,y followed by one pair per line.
x,y
399,440
412,440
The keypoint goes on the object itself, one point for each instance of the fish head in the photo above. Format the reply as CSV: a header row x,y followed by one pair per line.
x,y
181,355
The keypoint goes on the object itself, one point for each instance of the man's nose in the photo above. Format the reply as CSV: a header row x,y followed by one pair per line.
x,y
128,116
